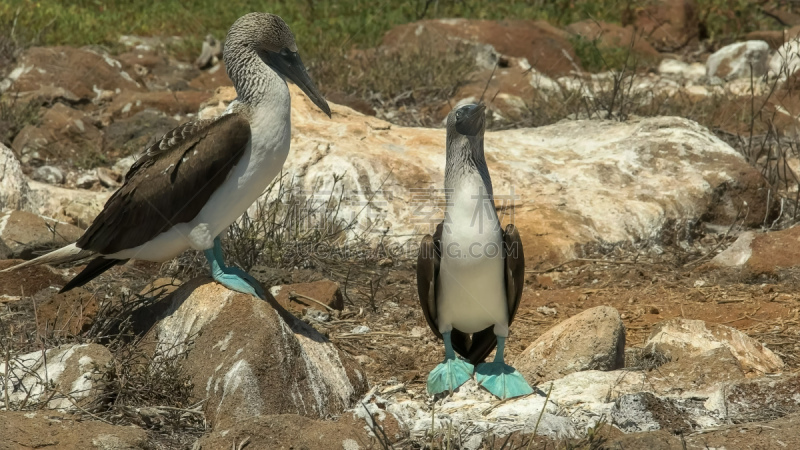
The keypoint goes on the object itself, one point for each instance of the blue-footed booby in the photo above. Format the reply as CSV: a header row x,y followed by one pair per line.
x,y
188,187
470,273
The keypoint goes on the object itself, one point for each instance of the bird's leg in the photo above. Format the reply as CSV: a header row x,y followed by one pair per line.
x,y
231,277
499,378
451,373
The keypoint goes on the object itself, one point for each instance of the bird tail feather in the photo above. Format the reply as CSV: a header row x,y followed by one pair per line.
x,y
63,255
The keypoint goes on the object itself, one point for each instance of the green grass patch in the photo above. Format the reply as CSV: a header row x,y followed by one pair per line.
x,y
318,24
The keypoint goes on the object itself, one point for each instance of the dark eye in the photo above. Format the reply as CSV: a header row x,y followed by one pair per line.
x,y
285,52
459,113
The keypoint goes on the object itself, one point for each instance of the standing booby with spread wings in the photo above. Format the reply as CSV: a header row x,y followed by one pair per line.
x,y
200,177
470,273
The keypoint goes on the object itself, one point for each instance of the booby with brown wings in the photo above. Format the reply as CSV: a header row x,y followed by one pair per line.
x,y
199,178
470,273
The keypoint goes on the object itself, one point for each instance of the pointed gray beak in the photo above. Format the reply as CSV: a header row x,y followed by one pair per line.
x,y
289,64
472,123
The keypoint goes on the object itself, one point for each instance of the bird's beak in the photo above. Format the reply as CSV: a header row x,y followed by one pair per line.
x,y
290,65
473,123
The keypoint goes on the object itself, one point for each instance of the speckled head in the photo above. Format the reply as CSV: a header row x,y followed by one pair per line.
x,y
271,39
467,120
465,128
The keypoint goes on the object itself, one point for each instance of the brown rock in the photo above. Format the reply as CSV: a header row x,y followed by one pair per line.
x,y
67,314
683,338
73,74
27,281
509,87
25,234
761,253
129,103
289,431
211,79
23,430
546,48
772,37
591,340
668,24
297,297
251,357
63,134
132,135
611,36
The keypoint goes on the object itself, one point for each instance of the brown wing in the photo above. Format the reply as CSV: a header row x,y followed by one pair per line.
x,y
515,269
484,341
427,273
169,184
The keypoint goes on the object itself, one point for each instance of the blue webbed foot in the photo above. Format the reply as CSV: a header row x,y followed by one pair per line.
x,y
238,280
502,380
449,375
233,278
253,287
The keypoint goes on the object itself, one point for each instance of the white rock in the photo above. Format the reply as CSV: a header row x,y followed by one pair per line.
x,y
638,173
679,69
76,206
250,359
735,60
48,174
737,254
592,339
86,180
15,193
69,368
786,61
124,165
677,338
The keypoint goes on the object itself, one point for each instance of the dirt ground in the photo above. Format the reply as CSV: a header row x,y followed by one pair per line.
x,y
643,293
400,347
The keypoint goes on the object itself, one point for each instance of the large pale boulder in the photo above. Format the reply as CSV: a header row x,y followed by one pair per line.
x,y
591,340
250,357
565,185
682,338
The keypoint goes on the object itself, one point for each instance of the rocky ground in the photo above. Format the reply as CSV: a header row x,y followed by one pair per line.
x,y
660,309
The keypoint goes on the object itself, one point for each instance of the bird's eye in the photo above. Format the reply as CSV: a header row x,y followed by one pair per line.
x,y
285,52
459,113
